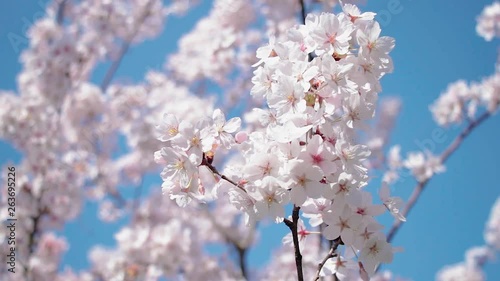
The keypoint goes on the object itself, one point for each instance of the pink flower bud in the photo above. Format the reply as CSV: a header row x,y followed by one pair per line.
x,y
241,137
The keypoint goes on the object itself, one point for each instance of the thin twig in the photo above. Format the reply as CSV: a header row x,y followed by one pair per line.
x,y
240,245
215,171
303,15
321,244
242,261
114,66
417,191
124,48
137,196
293,228
32,237
32,244
60,12
303,11
330,255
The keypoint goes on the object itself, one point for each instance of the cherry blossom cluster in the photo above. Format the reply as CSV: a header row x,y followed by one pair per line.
x,y
163,241
488,23
44,261
40,209
188,146
421,165
66,127
321,85
210,50
280,16
460,102
282,267
131,20
467,270
313,146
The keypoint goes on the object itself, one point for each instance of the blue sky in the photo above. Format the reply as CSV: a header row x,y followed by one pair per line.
x,y
436,44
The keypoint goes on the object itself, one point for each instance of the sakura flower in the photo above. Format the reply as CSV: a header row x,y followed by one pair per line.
x,y
274,198
262,81
423,166
180,192
344,225
287,132
460,272
374,46
302,233
314,210
366,232
449,107
336,75
266,54
168,128
339,266
221,130
374,252
393,204
489,91
287,97
345,187
48,253
189,139
178,165
243,202
363,205
316,153
305,182
262,165
264,117
479,255
394,157
289,51
488,23
355,14
356,111
304,73
332,34
352,157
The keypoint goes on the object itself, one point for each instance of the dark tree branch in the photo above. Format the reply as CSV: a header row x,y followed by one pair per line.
x,y
215,171
303,11
293,228
114,66
124,48
242,261
331,254
60,11
137,196
239,245
303,14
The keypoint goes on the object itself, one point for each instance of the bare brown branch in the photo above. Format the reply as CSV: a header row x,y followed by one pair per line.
x,y
328,256
293,228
